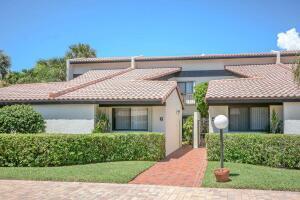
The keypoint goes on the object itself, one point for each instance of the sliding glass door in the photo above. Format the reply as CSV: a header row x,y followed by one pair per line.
x,y
259,118
248,118
130,119
239,119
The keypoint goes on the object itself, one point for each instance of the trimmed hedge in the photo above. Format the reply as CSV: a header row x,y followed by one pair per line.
x,y
59,149
274,150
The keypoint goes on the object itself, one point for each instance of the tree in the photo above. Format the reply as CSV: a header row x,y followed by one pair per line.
x,y
50,70
80,51
4,64
25,76
199,95
296,71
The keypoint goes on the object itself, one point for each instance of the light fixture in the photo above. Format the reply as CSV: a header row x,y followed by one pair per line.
x,y
221,122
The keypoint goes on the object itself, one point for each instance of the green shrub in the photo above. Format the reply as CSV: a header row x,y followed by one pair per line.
x,y
102,124
59,149
20,119
199,95
272,150
188,130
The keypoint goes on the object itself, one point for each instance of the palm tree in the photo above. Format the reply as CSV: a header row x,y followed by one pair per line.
x,y
296,71
4,64
80,51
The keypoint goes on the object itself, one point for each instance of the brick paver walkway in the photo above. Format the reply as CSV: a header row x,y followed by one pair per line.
x,y
185,167
38,190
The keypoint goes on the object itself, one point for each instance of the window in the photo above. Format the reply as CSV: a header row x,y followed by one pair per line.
x,y
187,90
246,118
130,119
186,87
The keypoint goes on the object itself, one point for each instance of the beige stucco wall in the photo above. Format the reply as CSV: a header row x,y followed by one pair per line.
x,y
291,113
67,118
173,123
213,112
158,119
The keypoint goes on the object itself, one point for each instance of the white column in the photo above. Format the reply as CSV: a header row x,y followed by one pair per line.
x,y
196,130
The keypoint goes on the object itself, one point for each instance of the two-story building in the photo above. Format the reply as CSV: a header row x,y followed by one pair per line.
x,y
154,93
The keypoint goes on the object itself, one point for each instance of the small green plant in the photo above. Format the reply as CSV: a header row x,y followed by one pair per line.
x,y
276,123
102,124
20,119
188,130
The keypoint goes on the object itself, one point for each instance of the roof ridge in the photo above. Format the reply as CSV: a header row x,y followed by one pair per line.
x,y
163,74
76,87
237,79
258,64
195,56
238,73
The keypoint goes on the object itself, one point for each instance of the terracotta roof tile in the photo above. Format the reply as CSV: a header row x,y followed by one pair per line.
x,y
127,84
266,81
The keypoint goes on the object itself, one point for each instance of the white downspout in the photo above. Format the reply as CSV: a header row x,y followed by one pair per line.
x,y
132,65
68,72
278,60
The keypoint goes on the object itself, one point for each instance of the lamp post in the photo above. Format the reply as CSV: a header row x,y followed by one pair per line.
x,y
221,122
222,174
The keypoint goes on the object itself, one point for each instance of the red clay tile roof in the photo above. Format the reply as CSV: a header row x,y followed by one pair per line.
x,y
191,57
97,86
148,74
261,82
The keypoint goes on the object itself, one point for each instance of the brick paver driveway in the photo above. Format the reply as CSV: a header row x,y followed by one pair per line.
x,y
184,167
37,190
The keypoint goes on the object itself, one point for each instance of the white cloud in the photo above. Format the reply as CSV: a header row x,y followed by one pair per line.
x,y
289,40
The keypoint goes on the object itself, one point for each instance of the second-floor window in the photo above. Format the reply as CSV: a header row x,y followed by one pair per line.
x,y
187,90
186,87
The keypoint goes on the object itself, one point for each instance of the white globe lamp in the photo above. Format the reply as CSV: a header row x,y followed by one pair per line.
x,y
221,122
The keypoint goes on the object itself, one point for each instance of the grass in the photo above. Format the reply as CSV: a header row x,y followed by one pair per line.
x,y
109,172
254,177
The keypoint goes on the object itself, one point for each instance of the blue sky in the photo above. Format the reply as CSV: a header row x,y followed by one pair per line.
x,y
35,29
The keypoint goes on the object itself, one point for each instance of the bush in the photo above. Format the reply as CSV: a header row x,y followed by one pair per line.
x,y
188,130
102,124
272,150
58,149
20,119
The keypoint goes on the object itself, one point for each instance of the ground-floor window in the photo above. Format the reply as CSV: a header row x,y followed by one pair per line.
x,y
130,119
248,118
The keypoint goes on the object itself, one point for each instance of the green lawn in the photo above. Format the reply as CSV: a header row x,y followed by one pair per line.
x,y
254,177
110,172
